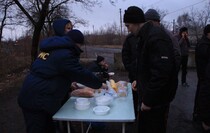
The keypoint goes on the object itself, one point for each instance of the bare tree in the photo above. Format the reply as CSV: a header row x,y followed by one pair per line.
x,y
199,20
195,20
43,9
183,20
5,14
38,24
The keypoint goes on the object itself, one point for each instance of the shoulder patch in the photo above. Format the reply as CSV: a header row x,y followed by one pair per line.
x,y
164,57
43,55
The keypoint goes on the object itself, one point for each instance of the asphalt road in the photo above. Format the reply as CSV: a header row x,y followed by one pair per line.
x,y
180,116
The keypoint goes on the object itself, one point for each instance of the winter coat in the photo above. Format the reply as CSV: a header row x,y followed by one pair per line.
x,y
184,45
156,73
101,73
129,55
202,56
51,75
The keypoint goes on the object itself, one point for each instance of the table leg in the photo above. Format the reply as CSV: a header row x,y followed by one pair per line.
x,y
68,127
123,127
89,126
82,127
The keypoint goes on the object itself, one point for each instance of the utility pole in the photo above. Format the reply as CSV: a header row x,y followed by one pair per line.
x,y
93,29
120,26
173,26
120,23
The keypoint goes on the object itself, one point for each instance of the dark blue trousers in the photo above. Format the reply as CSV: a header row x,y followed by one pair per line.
x,y
38,122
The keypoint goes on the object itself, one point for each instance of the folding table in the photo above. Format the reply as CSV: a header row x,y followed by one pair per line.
x,y
121,110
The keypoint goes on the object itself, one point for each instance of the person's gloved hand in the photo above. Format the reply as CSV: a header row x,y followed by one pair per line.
x,y
74,86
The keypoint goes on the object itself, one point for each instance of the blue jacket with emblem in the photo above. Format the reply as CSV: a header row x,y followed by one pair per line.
x,y
51,75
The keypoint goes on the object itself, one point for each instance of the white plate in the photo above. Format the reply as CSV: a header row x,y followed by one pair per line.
x,y
101,110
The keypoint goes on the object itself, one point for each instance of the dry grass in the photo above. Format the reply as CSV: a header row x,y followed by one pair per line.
x,y
108,46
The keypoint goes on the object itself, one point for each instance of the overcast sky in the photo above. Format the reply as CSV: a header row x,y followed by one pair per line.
x,y
108,13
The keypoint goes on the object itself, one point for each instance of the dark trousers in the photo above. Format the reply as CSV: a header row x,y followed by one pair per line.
x,y
154,120
195,109
184,60
38,122
135,102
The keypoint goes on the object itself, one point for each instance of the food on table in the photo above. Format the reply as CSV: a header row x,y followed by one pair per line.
x,y
84,92
113,85
104,100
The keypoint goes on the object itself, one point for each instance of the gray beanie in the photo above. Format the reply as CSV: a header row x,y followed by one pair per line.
x,y
152,14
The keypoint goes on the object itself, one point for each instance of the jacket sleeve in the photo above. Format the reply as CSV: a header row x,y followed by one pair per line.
x,y
160,60
204,91
70,66
126,55
129,55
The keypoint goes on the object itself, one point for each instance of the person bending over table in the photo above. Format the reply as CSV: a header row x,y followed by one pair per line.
x,y
50,78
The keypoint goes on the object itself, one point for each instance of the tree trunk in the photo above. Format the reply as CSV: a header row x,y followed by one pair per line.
x,y
37,30
35,44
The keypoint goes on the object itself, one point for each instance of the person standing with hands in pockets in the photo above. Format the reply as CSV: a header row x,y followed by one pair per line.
x,y
156,80
184,46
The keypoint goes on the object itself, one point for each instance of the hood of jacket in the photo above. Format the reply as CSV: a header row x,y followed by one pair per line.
x,y
59,26
54,43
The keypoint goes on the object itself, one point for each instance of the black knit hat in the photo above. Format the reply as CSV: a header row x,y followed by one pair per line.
x,y
99,59
183,29
206,29
76,36
133,15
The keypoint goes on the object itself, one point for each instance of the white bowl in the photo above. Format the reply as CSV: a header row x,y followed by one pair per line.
x,y
82,106
104,100
101,110
82,100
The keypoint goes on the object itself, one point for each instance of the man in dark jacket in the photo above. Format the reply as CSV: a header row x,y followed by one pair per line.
x,y
100,68
156,75
129,59
50,78
154,16
202,99
129,55
184,46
